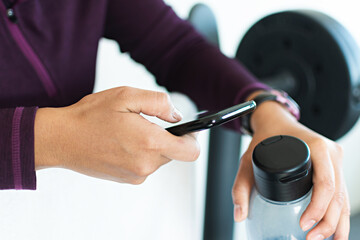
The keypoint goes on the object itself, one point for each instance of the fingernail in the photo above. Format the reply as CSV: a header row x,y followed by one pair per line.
x,y
237,213
177,114
308,225
318,237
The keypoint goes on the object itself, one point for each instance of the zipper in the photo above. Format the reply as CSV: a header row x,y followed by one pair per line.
x,y
26,49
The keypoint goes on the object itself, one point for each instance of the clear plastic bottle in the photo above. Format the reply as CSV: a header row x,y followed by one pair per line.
x,y
283,182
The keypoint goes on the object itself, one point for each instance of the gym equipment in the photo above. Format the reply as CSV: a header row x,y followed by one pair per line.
x,y
307,54
223,145
313,58
203,19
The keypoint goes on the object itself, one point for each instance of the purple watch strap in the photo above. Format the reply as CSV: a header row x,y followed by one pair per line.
x,y
283,98
273,95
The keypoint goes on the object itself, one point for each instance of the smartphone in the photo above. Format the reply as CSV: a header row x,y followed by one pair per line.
x,y
209,120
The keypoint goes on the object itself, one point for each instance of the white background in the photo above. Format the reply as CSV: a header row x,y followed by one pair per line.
x,y
169,205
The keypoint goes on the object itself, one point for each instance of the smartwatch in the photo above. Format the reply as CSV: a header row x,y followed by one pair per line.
x,y
273,95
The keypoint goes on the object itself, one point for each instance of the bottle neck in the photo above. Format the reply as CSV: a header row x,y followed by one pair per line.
x,y
308,194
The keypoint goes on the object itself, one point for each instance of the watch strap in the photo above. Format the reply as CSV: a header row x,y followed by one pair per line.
x,y
273,95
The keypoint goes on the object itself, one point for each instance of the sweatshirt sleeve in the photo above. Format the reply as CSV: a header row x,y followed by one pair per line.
x,y
179,57
17,168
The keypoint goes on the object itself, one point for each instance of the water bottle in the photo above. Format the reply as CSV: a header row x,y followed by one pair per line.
x,y
283,185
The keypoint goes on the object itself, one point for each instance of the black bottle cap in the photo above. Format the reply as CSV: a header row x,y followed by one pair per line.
x,y
282,168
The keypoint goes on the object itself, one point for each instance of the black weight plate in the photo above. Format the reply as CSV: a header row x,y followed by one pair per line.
x,y
321,55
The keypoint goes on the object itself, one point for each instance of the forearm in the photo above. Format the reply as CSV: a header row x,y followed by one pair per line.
x,y
178,56
211,79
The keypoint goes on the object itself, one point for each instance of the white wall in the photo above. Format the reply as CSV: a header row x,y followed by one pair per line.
x,y
169,205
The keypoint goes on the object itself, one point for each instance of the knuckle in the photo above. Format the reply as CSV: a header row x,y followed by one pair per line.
x,y
329,228
235,193
163,101
138,181
339,148
317,210
319,213
240,192
124,89
319,143
143,170
339,197
346,212
240,197
195,154
328,184
150,144
123,92
338,152
88,99
190,148
321,210
162,98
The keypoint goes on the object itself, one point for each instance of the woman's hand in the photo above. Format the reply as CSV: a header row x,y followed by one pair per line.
x,y
104,136
329,206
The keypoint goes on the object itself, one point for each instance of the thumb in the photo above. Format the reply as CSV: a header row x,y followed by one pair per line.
x,y
242,188
151,103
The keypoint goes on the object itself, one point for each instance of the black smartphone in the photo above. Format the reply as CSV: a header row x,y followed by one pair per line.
x,y
209,120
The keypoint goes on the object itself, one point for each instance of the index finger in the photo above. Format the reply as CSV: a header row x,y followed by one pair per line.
x,y
183,148
323,189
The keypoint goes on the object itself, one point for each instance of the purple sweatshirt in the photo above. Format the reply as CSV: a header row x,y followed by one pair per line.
x,y
48,53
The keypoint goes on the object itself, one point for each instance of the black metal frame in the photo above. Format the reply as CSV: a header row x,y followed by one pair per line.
x,y
224,153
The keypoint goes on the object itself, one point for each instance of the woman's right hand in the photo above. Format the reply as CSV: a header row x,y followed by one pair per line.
x,y
104,136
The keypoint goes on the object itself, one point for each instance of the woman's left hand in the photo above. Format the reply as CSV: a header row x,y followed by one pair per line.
x,y
329,207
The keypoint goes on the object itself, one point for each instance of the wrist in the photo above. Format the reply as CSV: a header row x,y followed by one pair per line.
x,y
46,130
273,107
270,115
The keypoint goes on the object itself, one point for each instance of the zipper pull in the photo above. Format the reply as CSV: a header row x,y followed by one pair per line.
x,y
11,15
